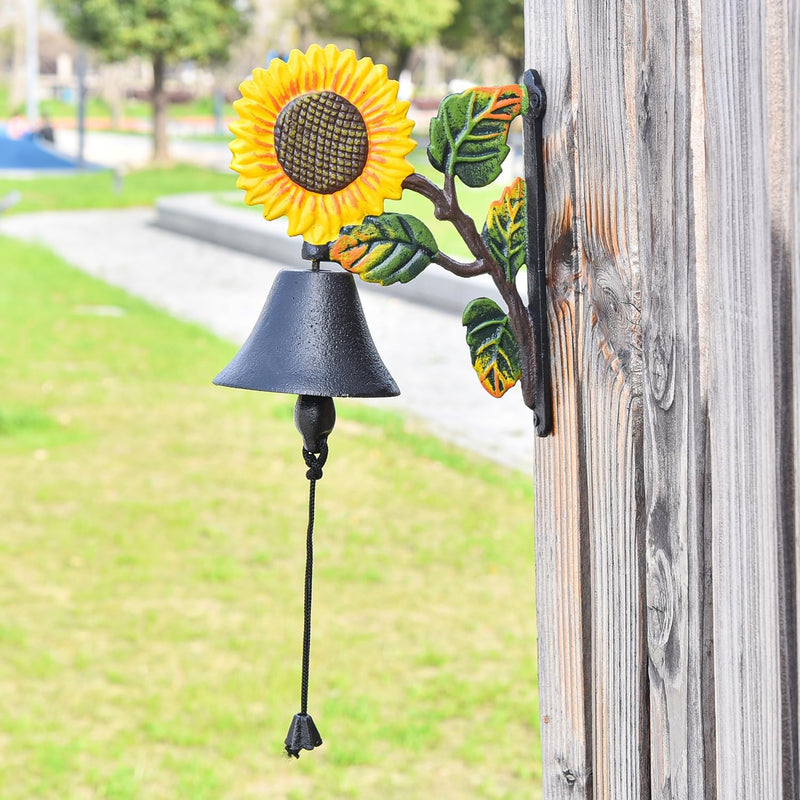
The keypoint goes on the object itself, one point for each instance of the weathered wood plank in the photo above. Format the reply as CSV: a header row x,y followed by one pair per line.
x,y
588,478
560,514
777,84
681,694
677,436
742,400
794,152
604,60
620,746
701,699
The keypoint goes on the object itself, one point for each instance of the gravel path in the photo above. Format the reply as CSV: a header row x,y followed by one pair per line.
x,y
224,290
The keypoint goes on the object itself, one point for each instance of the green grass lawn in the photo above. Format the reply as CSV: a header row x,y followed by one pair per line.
x,y
145,186
97,190
151,569
98,108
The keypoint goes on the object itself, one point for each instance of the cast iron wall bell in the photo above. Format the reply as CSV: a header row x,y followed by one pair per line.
x,y
321,139
311,340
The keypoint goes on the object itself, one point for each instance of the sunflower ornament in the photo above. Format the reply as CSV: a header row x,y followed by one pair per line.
x,y
321,139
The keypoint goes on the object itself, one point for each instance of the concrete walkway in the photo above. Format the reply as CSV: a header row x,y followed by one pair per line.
x,y
203,216
224,290
130,151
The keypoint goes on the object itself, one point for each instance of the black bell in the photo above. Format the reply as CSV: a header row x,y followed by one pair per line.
x,y
311,339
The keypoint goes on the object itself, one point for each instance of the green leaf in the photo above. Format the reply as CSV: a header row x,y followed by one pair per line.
x,y
387,249
468,135
492,346
506,230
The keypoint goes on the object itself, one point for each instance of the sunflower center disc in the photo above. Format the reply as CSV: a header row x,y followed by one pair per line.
x,y
321,141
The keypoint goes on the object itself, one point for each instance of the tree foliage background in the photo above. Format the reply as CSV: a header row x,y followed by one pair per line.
x,y
484,27
385,30
165,31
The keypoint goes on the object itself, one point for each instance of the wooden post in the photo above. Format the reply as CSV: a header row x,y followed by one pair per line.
x,y
667,501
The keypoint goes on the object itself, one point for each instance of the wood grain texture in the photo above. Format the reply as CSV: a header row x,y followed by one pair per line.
x,y
794,149
777,84
611,367
588,477
668,499
742,403
560,516
678,590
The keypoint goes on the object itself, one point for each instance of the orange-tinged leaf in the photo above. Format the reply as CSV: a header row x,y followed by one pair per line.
x,y
505,102
492,346
506,229
391,248
350,251
468,134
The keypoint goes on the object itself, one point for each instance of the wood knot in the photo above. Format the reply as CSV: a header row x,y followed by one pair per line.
x,y
568,775
562,273
660,367
660,603
615,312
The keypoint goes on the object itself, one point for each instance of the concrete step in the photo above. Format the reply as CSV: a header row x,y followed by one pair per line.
x,y
207,217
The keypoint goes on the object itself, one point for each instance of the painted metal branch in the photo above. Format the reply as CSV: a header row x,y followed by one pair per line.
x,y
446,208
477,267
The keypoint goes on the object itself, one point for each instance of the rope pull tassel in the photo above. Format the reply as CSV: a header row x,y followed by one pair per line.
x,y
303,735
315,417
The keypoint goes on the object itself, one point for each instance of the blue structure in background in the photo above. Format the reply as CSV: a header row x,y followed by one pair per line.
x,y
30,152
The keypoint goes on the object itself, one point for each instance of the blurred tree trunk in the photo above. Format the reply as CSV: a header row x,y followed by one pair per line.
x,y
160,143
17,89
114,92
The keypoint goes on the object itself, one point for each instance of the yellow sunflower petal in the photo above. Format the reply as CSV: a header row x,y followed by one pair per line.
x,y
389,117
303,211
276,204
316,201
315,77
351,74
332,204
375,105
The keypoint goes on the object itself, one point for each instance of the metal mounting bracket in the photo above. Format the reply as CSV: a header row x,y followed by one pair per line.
x,y
537,266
